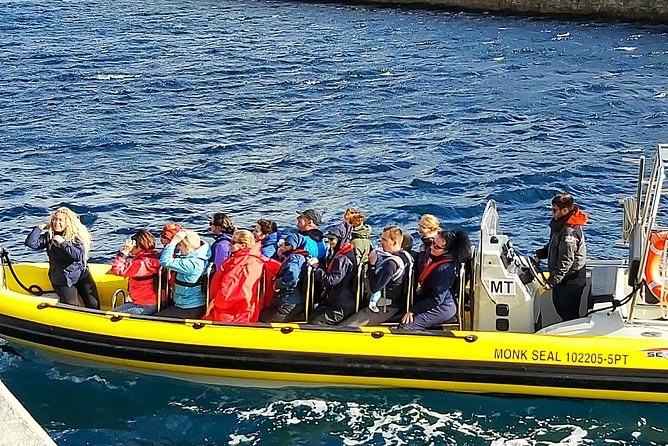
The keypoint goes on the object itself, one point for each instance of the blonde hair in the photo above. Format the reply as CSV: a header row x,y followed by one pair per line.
x,y
191,240
74,229
244,237
430,222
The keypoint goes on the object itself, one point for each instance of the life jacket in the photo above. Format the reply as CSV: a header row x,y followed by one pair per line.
x,y
428,270
345,249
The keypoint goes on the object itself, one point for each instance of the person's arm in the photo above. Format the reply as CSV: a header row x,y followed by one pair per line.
x,y
36,239
291,275
541,253
379,276
183,265
124,266
441,281
568,246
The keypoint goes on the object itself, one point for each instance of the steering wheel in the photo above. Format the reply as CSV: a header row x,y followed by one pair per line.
x,y
536,271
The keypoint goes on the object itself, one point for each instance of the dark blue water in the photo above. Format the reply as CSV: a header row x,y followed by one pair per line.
x,y
139,113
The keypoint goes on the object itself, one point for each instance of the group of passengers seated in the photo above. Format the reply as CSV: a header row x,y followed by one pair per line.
x,y
325,278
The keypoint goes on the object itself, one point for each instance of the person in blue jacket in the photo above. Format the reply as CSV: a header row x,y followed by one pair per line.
x,y
266,232
288,283
307,225
434,301
189,299
67,243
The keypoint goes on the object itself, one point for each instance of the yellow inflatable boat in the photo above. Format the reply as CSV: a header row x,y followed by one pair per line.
x,y
508,339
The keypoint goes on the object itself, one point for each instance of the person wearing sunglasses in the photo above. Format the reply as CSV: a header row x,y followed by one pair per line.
x,y
235,286
428,227
434,302
138,260
566,256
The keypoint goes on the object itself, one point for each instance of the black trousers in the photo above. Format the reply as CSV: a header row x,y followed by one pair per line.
x,y
85,288
566,296
283,313
182,313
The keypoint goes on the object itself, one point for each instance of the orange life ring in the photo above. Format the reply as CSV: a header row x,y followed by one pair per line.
x,y
653,276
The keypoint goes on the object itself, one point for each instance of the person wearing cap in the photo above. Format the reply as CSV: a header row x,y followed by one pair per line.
x,y
307,225
189,299
290,294
141,270
168,233
222,229
338,277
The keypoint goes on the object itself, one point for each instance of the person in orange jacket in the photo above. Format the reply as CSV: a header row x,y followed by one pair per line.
x,y
236,285
566,256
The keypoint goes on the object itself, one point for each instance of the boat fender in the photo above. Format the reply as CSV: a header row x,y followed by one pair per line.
x,y
653,276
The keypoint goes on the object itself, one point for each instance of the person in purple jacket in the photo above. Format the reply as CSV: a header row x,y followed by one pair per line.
x,y
222,229
67,243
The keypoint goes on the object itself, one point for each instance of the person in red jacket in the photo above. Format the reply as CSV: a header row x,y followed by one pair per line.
x,y
235,286
141,270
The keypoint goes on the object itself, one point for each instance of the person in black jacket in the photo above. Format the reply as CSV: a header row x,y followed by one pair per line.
x,y
434,302
388,277
67,243
338,277
566,256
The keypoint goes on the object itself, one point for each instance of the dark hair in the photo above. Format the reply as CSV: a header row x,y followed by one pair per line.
x,y
407,243
144,239
224,222
458,243
563,201
267,226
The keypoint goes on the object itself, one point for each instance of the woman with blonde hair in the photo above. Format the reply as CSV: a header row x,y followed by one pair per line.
x,y
190,268
428,228
235,287
67,243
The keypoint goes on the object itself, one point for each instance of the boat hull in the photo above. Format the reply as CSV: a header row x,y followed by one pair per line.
x,y
506,363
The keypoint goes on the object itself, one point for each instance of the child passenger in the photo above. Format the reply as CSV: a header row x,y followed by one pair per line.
x,y
141,270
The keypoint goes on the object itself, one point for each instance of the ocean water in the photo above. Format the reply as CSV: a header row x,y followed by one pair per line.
x,y
139,113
